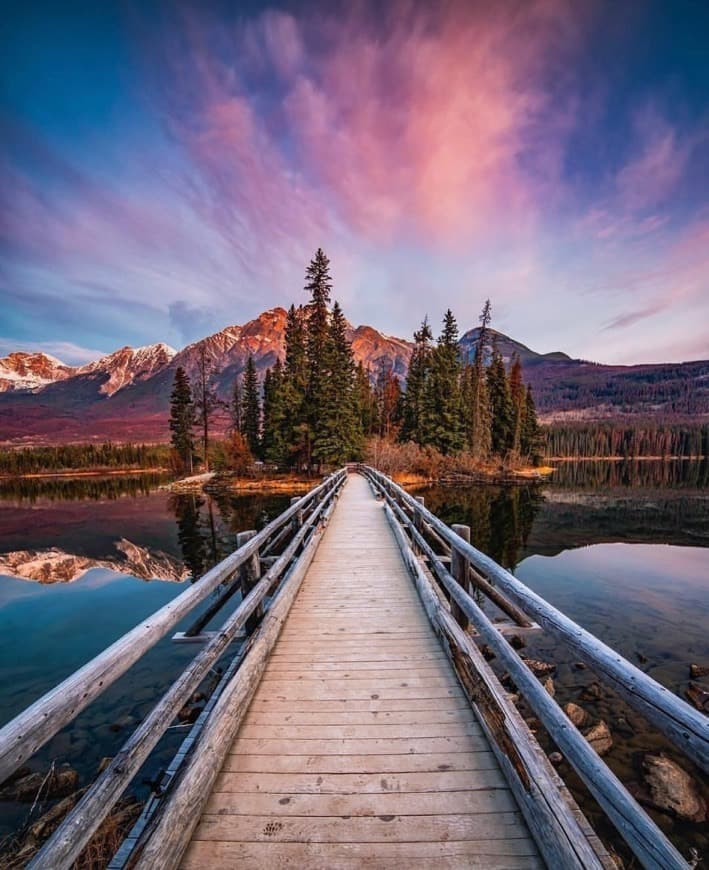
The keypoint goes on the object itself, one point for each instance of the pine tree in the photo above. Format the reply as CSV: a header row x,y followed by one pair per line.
x,y
518,396
205,399
338,434
294,433
531,435
476,402
500,404
182,418
443,425
366,400
319,285
251,409
414,400
273,444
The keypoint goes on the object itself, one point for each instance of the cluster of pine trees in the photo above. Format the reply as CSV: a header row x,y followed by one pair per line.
x,y
473,406
316,408
309,413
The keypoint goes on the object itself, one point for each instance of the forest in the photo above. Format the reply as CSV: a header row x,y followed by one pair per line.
x,y
317,409
609,439
72,457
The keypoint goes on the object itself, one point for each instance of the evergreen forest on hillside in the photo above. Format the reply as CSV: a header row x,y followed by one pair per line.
x,y
317,409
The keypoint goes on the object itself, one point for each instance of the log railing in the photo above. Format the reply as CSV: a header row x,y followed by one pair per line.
x,y
445,590
23,736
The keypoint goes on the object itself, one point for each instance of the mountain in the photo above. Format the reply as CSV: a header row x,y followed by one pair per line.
x,y
125,395
29,372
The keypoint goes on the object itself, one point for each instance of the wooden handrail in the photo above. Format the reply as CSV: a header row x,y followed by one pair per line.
x,y
32,728
687,728
67,842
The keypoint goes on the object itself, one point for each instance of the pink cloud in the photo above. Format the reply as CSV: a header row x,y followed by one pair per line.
x,y
427,123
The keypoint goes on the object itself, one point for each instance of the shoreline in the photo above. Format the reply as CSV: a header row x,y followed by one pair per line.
x,y
82,472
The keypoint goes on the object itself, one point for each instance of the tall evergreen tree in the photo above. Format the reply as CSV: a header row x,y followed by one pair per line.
x,y
443,424
251,408
295,431
518,395
338,432
205,399
500,404
273,443
319,284
366,400
414,401
387,394
182,418
476,403
531,435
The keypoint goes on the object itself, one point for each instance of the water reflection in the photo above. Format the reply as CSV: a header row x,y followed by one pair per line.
x,y
500,518
97,488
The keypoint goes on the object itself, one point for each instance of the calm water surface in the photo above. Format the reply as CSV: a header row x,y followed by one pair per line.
x,y
621,548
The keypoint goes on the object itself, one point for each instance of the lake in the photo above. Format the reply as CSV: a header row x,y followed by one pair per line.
x,y
622,548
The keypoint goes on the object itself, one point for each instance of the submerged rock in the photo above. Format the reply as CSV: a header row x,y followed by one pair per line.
x,y
698,696
538,668
600,738
671,788
578,716
696,672
549,686
53,783
591,693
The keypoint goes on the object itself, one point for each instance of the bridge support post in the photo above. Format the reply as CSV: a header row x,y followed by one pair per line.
x,y
418,521
250,573
459,570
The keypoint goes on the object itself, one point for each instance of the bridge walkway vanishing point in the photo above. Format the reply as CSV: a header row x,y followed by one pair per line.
x,y
359,747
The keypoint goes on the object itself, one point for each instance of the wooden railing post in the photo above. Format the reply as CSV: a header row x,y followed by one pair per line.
x,y
459,570
298,518
249,574
418,520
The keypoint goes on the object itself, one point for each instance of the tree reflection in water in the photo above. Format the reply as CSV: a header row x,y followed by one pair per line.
x,y
207,524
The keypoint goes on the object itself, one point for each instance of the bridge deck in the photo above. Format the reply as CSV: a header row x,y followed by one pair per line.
x,y
359,748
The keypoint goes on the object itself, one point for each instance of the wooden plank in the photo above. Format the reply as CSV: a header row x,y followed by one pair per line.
x,y
350,717
361,783
687,728
412,705
361,829
486,855
32,728
406,762
379,730
492,800
357,745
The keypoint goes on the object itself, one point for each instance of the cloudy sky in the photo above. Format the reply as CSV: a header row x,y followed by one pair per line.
x,y
166,170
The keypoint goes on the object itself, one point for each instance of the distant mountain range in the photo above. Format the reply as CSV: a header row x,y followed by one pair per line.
x,y
125,395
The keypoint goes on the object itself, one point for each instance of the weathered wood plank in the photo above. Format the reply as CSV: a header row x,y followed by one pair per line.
x,y
357,745
386,803
408,731
349,717
475,855
406,762
362,829
361,783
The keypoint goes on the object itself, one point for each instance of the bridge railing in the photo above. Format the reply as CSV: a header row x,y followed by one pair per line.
x,y
452,608
290,540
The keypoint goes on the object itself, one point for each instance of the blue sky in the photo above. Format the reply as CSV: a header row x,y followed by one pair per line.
x,y
166,170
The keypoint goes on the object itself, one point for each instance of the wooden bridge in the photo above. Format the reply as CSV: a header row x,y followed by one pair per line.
x,y
357,723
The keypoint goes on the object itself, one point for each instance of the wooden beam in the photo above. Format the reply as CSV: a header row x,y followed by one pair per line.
x,y
523,764
170,835
32,728
68,841
686,727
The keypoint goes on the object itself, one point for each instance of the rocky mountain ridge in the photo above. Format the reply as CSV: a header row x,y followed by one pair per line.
x,y
125,395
